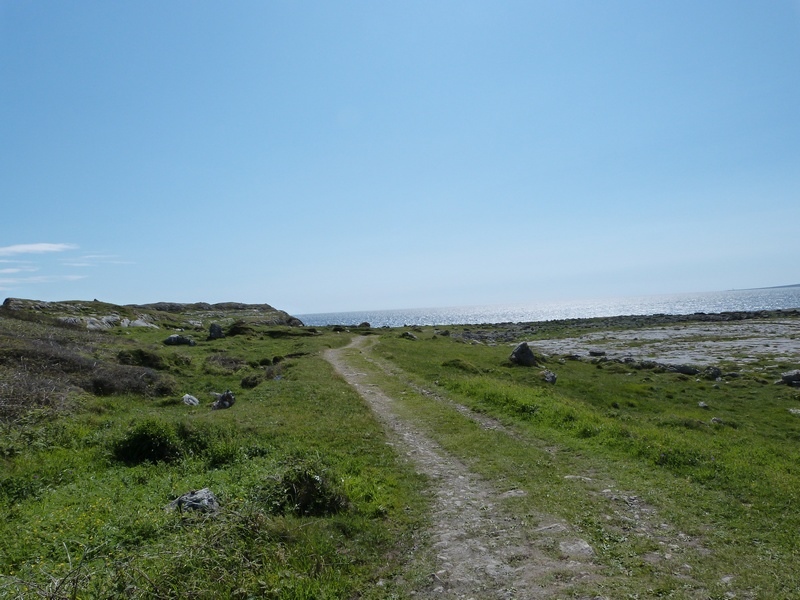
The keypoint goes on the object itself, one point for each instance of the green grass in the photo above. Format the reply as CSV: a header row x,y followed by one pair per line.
x,y
732,486
314,503
95,442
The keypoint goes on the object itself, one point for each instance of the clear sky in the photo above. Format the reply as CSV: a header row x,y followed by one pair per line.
x,y
330,156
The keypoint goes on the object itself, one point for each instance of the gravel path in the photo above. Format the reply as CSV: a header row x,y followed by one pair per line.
x,y
481,552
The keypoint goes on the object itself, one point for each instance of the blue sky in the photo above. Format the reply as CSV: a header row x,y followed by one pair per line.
x,y
334,156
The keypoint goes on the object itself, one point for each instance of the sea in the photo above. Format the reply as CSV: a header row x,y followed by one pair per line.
x,y
672,304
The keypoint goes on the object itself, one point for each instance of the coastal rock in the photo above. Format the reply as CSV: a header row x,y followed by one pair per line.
x,y
190,400
523,356
179,340
201,500
215,332
407,335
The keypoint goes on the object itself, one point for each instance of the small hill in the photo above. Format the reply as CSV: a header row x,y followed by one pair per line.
x,y
96,315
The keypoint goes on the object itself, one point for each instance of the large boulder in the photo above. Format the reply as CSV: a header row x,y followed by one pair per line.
x,y
179,340
791,378
523,356
215,332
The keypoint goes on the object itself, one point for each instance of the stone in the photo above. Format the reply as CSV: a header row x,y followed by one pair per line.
x,y
523,356
407,335
215,332
179,340
142,323
597,352
576,548
702,405
791,377
549,377
365,325
713,373
225,400
190,400
201,500
683,369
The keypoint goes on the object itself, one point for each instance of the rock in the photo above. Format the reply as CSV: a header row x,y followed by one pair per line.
x,y
712,373
69,320
142,323
576,548
597,352
549,377
94,324
702,405
407,335
791,378
365,325
215,332
683,369
225,400
523,356
190,400
203,500
179,340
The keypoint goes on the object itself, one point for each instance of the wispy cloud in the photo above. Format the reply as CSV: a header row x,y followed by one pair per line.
x,y
93,260
12,270
34,249
39,279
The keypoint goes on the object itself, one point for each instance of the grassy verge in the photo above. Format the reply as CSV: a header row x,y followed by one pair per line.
x,y
313,502
678,500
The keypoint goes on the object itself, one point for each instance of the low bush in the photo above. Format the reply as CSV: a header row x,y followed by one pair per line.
x,y
142,358
110,380
303,488
151,440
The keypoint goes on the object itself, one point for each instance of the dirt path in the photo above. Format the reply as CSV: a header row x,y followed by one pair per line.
x,y
481,552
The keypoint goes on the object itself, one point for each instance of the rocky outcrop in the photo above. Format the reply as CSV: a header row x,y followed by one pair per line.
x,y
215,332
523,356
179,340
791,378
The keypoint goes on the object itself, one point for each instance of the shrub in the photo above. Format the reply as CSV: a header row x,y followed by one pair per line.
x,y
304,489
122,379
149,441
142,358
252,380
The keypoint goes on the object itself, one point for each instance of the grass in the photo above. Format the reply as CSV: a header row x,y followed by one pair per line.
x,y
678,501
314,504
730,485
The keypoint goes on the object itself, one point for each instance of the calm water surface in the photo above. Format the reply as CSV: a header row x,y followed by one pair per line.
x,y
675,304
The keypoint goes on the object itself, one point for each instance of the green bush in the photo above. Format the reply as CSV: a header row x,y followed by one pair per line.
x,y
304,489
149,441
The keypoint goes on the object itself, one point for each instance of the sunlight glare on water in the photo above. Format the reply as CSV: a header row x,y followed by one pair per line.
x,y
675,304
